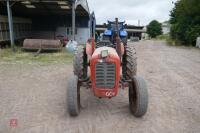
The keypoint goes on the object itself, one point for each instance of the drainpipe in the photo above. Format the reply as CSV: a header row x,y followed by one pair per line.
x,y
10,22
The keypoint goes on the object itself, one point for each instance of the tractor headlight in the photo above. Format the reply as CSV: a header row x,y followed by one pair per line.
x,y
104,53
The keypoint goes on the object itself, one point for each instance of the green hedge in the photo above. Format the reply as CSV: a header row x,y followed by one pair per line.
x,y
185,22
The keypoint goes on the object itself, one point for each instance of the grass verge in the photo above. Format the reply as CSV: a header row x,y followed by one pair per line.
x,y
6,55
168,39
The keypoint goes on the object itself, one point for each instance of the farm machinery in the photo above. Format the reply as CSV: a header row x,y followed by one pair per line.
x,y
112,64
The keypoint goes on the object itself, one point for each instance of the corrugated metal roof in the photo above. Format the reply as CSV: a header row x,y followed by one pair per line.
x,y
45,7
84,4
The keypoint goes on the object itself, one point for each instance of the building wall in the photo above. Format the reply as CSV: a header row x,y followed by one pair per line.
x,y
21,28
55,26
165,28
45,28
135,34
81,34
198,42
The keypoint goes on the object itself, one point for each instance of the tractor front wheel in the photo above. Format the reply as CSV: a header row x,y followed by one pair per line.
x,y
138,97
73,96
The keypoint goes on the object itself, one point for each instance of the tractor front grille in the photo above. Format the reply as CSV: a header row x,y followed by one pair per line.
x,y
105,75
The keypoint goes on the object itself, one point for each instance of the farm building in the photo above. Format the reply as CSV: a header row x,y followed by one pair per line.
x,y
45,19
166,27
133,31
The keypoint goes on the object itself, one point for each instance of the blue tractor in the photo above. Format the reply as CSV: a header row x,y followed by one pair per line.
x,y
115,29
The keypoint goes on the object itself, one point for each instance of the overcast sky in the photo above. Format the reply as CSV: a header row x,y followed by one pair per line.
x,y
131,10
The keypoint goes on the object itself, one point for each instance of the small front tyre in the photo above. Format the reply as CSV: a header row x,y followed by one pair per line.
x,y
138,97
73,96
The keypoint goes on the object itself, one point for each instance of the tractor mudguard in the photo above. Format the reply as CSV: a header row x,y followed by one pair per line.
x,y
90,47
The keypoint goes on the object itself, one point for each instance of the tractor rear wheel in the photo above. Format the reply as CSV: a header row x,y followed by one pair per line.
x,y
80,63
129,63
138,97
124,40
73,96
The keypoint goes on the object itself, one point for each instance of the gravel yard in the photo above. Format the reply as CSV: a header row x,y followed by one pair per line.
x,y
35,95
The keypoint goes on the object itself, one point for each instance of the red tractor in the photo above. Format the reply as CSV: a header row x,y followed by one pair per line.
x,y
105,60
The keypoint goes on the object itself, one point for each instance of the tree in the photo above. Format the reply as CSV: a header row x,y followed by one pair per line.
x,y
185,21
154,29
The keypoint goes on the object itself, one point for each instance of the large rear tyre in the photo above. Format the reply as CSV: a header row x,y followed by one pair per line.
x,y
73,96
129,63
124,40
80,62
138,97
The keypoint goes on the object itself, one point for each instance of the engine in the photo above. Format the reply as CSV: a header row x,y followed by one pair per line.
x,y
105,72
